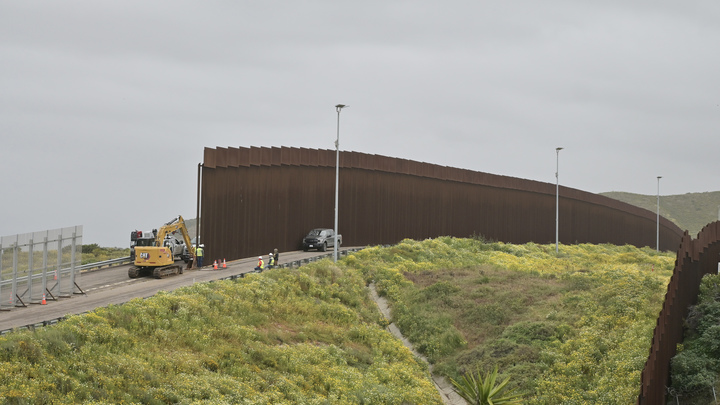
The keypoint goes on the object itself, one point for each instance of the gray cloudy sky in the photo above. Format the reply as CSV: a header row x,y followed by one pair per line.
x,y
106,106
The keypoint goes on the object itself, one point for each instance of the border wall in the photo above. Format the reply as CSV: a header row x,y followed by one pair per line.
x,y
255,199
695,259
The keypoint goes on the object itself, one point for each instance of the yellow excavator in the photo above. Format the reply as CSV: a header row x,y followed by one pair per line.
x,y
159,257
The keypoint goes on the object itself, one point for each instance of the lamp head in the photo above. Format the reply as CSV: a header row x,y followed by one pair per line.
x,y
559,149
340,107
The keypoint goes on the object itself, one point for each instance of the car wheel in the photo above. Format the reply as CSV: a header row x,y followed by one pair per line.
x,y
324,247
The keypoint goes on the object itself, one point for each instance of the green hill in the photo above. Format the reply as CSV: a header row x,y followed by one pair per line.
x,y
567,328
691,211
307,336
573,327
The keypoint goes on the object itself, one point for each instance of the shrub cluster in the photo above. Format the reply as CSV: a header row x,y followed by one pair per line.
x,y
93,253
695,369
572,327
567,328
308,336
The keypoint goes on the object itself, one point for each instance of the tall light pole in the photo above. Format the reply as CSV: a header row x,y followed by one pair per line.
x,y
657,237
337,181
557,198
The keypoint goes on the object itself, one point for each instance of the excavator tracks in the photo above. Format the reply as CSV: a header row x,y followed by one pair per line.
x,y
159,272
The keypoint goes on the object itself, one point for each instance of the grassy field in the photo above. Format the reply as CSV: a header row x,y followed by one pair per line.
x,y
572,328
569,328
307,336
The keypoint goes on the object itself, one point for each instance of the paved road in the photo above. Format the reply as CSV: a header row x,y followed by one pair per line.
x,y
113,286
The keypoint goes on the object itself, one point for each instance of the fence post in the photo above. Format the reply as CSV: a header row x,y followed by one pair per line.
x,y
31,252
15,270
58,276
72,262
45,263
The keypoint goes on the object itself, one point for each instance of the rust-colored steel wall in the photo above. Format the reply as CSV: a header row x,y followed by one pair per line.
x,y
695,259
256,199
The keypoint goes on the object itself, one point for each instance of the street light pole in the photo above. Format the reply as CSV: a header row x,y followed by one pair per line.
x,y
337,181
657,237
557,198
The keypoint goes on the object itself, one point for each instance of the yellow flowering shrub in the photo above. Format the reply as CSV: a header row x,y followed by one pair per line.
x,y
310,336
568,328
572,327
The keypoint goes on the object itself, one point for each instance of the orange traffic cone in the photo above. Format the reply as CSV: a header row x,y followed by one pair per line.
x,y
43,302
224,265
215,265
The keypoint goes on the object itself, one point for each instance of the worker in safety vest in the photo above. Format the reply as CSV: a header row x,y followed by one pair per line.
x,y
271,261
261,264
199,253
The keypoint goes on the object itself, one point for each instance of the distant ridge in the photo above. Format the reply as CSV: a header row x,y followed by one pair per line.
x,y
691,211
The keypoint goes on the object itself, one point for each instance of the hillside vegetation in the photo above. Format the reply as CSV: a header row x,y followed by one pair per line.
x,y
93,253
572,328
567,328
691,211
695,368
308,336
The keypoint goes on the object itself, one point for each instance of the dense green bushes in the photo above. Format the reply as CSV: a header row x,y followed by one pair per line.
x,y
93,253
568,328
308,336
696,366
572,327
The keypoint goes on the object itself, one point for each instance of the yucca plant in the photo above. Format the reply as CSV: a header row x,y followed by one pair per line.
x,y
479,390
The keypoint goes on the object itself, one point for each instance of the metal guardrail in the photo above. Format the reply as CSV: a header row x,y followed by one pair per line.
x,y
291,265
108,263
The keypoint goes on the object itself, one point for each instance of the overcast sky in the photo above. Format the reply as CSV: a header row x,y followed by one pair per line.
x,y
106,106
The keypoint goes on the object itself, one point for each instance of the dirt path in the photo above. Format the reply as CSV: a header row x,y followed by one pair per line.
x,y
444,387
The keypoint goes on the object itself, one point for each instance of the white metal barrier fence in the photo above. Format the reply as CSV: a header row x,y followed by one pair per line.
x,y
39,266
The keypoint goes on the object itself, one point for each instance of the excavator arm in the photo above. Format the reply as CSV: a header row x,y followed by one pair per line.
x,y
177,224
